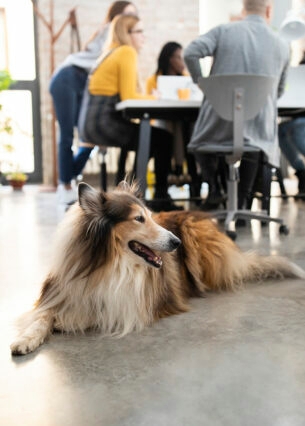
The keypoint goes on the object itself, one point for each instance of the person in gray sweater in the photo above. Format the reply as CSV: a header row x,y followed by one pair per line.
x,y
245,46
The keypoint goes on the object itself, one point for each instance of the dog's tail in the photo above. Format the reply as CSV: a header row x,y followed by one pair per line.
x,y
215,262
232,268
259,267
240,268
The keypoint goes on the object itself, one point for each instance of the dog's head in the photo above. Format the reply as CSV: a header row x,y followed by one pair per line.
x,y
118,222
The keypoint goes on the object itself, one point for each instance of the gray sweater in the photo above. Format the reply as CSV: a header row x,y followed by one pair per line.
x,y
247,46
87,58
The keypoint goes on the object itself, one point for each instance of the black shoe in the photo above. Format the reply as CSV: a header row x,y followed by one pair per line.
x,y
300,196
301,186
165,206
213,201
301,176
240,223
163,202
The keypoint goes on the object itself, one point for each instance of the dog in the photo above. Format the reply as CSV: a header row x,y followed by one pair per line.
x,y
118,267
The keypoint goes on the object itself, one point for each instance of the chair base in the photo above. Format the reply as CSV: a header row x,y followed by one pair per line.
x,y
231,216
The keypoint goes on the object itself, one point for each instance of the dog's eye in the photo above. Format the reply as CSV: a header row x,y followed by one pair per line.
x,y
140,219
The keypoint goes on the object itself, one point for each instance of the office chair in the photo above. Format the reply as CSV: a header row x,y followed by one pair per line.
x,y
236,98
121,172
103,149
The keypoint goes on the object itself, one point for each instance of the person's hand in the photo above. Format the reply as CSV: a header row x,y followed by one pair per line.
x,y
156,93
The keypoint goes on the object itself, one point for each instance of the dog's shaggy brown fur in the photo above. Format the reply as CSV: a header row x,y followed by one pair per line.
x,y
118,268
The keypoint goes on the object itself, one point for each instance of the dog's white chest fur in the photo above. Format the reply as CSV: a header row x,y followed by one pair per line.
x,y
117,305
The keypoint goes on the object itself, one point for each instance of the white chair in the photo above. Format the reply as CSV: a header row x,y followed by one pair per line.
x,y
236,98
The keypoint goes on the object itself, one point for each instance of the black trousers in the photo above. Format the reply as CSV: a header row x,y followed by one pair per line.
x,y
247,173
212,166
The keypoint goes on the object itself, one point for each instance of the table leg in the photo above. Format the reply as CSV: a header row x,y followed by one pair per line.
x,y
143,152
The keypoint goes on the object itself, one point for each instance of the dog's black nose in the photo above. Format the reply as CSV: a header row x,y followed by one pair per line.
x,y
175,242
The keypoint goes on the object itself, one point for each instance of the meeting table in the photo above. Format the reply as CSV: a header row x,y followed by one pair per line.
x,y
173,110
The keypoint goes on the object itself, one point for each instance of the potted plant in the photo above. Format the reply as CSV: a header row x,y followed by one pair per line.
x,y
13,175
16,180
5,122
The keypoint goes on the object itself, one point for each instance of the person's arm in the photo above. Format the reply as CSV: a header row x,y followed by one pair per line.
x,y
282,82
151,84
281,86
97,40
86,58
128,67
204,45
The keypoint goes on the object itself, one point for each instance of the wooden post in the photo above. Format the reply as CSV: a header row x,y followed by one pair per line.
x,y
71,19
53,122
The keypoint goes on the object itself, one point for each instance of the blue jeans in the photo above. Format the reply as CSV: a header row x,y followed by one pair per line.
x,y
292,141
67,88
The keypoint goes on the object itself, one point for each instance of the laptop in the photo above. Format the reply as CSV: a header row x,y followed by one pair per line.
x,y
168,86
294,95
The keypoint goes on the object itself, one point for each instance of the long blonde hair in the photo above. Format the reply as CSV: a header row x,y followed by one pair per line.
x,y
119,35
115,9
119,31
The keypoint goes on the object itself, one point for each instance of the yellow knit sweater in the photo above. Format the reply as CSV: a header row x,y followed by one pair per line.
x,y
117,74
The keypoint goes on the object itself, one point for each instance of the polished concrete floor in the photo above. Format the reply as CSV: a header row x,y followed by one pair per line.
x,y
234,359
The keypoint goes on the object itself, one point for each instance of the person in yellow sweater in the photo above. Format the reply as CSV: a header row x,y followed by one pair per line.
x,y
115,79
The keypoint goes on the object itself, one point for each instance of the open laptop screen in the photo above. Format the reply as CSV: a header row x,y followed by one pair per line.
x,y
168,86
294,95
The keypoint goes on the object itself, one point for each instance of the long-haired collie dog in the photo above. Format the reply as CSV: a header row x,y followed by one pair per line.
x,y
118,268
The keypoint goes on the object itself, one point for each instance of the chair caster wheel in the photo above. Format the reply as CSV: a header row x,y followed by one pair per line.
x,y
232,235
284,230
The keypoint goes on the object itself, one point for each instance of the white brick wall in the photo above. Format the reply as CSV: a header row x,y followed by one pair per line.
x,y
164,21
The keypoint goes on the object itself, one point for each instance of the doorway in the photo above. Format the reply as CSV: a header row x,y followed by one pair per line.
x,y
18,54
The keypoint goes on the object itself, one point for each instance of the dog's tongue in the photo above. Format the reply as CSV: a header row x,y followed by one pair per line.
x,y
151,257
148,255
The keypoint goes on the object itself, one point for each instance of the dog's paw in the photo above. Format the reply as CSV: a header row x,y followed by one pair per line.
x,y
24,346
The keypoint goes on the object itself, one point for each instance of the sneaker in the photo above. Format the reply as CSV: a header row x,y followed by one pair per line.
x,y
66,196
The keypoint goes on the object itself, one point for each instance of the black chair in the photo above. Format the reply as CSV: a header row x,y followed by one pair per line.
x,y
103,149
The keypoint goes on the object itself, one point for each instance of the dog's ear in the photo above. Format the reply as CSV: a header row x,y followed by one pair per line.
x,y
124,186
88,197
135,189
132,188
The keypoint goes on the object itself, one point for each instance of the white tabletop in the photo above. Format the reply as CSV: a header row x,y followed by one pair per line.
x,y
283,102
291,103
157,103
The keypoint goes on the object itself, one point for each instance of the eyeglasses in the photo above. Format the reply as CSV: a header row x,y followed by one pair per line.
x,y
136,32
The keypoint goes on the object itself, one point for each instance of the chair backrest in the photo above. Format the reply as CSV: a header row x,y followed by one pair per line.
x,y
83,112
237,98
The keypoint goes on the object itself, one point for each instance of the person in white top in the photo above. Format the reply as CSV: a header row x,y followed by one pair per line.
x,y
67,88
